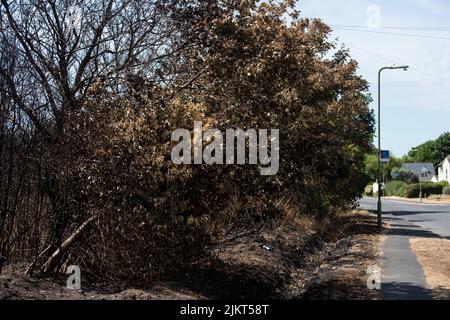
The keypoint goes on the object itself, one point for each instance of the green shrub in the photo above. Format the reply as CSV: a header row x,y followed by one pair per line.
x,y
428,188
395,188
368,190
446,191
443,184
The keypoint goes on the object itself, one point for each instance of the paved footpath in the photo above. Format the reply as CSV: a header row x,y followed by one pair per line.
x,y
402,276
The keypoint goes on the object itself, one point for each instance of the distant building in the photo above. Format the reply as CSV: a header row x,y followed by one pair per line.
x,y
444,170
423,171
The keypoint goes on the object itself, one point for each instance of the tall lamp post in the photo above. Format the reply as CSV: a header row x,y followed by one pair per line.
x,y
405,68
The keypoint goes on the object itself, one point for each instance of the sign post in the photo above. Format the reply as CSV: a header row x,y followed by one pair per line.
x,y
383,158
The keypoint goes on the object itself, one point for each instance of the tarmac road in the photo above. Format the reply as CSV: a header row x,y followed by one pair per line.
x,y
431,217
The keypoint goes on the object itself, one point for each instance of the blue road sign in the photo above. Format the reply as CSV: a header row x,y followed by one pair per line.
x,y
385,155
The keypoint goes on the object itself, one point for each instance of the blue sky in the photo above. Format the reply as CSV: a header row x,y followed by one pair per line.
x,y
415,104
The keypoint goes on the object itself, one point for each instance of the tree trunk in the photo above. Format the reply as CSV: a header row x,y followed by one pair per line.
x,y
53,260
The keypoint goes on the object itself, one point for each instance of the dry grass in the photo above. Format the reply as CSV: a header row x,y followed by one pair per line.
x,y
434,256
344,276
440,198
298,258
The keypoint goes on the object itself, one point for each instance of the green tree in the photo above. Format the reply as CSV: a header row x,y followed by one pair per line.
x,y
433,151
371,166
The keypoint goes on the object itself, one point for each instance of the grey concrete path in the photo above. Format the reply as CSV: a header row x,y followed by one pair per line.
x,y
402,276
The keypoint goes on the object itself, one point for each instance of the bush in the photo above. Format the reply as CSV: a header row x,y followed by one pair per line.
x,y
428,188
368,190
107,155
395,188
446,191
443,184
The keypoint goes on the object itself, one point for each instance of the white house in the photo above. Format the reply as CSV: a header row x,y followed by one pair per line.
x,y
444,170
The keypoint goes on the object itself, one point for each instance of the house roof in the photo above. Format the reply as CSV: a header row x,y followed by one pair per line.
x,y
417,167
442,162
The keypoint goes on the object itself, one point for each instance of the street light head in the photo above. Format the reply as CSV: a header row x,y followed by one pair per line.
x,y
405,68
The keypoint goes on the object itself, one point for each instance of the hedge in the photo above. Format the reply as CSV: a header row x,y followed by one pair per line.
x,y
443,184
446,191
428,188
395,188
